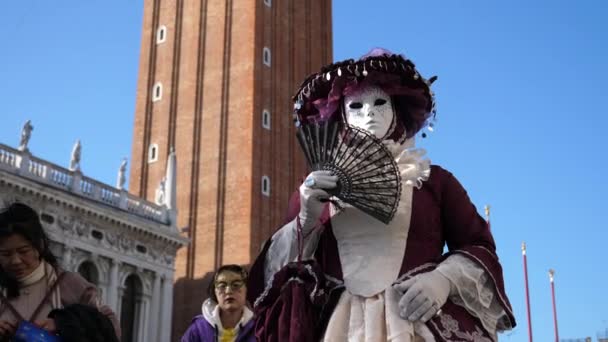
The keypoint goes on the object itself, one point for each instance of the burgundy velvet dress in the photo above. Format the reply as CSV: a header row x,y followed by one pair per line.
x,y
302,297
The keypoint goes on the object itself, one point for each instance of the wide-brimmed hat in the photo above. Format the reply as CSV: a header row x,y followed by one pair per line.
x,y
320,96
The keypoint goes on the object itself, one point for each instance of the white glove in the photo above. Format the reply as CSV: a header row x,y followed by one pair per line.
x,y
312,195
423,296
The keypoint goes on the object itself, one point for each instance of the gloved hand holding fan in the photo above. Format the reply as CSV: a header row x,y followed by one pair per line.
x,y
367,176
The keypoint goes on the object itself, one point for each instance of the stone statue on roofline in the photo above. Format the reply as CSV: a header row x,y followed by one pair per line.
x,y
121,179
26,134
159,196
75,158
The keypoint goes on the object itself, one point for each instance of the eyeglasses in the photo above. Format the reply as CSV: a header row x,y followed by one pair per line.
x,y
223,286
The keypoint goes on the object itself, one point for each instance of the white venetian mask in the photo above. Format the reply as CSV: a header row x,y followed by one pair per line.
x,y
370,109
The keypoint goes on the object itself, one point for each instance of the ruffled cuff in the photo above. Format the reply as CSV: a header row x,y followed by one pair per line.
x,y
473,289
284,248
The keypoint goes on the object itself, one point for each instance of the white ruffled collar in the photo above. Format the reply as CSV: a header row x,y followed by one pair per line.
x,y
415,168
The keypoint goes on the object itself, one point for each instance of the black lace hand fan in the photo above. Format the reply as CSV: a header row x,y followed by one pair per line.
x,y
368,176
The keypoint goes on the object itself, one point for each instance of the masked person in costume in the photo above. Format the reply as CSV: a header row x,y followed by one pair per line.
x,y
334,273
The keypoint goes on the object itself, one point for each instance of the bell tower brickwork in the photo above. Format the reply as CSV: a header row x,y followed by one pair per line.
x,y
208,71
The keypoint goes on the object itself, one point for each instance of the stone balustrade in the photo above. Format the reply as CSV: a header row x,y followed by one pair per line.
x,y
22,163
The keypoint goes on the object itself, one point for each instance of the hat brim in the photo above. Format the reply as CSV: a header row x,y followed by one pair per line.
x,y
320,95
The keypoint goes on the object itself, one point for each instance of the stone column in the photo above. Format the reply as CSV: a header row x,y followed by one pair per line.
x,y
166,307
121,292
155,321
66,258
138,319
113,286
143,318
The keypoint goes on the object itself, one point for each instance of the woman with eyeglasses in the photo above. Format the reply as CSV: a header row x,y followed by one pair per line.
x,y
225,316
31,282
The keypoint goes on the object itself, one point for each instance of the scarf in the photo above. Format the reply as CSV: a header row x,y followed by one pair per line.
x,y
47,272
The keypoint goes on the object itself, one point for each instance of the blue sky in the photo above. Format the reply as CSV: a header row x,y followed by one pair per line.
x,y
522,109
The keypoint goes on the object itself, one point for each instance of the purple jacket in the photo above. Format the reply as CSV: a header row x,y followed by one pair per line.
x,y
202,331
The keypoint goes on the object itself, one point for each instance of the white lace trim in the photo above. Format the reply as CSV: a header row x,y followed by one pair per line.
x,y
473,289
452,333
269,284
414,167
336,281
429,265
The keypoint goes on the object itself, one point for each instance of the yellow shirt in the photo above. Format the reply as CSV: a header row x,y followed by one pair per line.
x,y
228,335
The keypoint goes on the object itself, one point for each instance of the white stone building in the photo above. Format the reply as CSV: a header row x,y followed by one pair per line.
x,y
123,244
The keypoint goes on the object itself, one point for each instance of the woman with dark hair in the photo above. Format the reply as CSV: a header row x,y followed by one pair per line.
x,y
31,282
225,316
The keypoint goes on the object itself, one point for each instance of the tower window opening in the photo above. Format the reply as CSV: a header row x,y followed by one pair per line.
x,y
265,185
161,34
152,153
266,56
157,91
266,119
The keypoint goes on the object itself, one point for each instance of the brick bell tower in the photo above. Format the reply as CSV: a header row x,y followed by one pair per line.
x,y
215,82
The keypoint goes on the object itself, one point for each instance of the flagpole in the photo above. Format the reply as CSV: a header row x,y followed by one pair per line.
x,y
551,276
523,252
487,210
